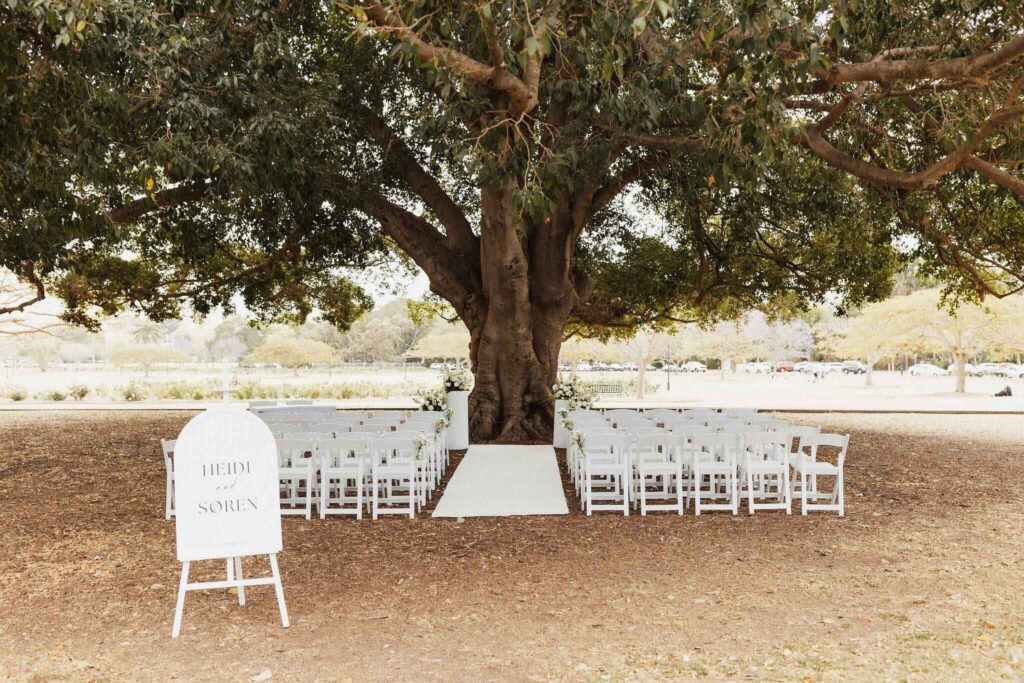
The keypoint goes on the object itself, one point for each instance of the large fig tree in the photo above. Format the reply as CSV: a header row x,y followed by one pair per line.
x,y
554,167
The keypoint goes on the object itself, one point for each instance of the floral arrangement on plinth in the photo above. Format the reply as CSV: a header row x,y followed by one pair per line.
x,y
432,400
571,389
457,378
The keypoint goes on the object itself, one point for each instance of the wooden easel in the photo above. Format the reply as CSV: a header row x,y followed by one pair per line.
x,y
234,580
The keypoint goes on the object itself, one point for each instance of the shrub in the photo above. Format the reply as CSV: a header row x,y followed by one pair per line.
x,y
56,395
16,394
132,392
78,391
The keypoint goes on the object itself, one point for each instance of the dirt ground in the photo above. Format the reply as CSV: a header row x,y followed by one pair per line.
x,y
923,580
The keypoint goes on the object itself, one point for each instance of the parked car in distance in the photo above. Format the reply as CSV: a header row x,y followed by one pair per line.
x,y
854,367
583,367
785,366
757,368
926,370
805,366
994,369
436,366
829,368
629,367
694,366
1014,370
670,367
969,370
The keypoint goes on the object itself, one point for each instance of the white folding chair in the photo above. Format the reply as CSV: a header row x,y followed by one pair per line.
x,y
394,477
657,468
606,468
343,467
712,456
765,470
800,449
167,446
810,467
296,468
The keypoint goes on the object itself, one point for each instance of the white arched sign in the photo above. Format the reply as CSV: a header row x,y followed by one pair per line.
x,y
227,500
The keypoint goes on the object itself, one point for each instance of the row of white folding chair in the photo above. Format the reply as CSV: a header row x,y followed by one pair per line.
x,y
391,465
763,472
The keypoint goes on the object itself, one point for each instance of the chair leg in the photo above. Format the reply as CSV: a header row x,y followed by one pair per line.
x,y
750,491
803,493
786,492
325,493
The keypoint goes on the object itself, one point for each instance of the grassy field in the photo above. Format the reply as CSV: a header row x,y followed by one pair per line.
x,y
792,391
921,581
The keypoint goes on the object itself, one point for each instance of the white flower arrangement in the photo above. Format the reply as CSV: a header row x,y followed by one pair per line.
x,y
457,378
577,438
571,389
444,423
421,446
432,400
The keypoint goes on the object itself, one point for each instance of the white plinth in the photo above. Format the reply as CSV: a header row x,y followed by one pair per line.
x,y
561,434
458,432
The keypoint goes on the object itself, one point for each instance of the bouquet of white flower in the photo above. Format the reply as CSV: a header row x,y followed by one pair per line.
x,y
572,390
434,400
457,378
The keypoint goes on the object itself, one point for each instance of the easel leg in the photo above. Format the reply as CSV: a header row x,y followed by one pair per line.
x,y
181,600
279,589
238,574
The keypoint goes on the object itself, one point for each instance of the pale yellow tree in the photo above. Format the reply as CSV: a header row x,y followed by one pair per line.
x,y
963,333
646,346
879,331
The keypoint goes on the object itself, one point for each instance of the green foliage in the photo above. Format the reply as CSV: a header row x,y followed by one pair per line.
x,y
162,156
54,395
78,391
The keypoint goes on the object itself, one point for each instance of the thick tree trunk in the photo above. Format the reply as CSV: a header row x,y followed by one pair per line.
x,y
514,343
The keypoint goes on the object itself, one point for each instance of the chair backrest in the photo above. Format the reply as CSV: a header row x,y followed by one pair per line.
x,y
606,446
395,449
622,412
291,452
715,446
654,445
261,404
299,402
838,441
307,435
658,413
738,412
333,452
693,429
768,445
167,446
582,413
700,413
800,435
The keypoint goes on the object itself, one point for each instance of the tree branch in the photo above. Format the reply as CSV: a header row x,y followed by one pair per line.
x,y
879,71
456,225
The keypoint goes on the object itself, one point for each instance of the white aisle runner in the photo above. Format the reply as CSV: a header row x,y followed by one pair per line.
x,y
499,481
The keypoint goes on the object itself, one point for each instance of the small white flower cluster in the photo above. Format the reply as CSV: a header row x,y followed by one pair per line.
x,y
421,446
433,399
572,390
457,378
